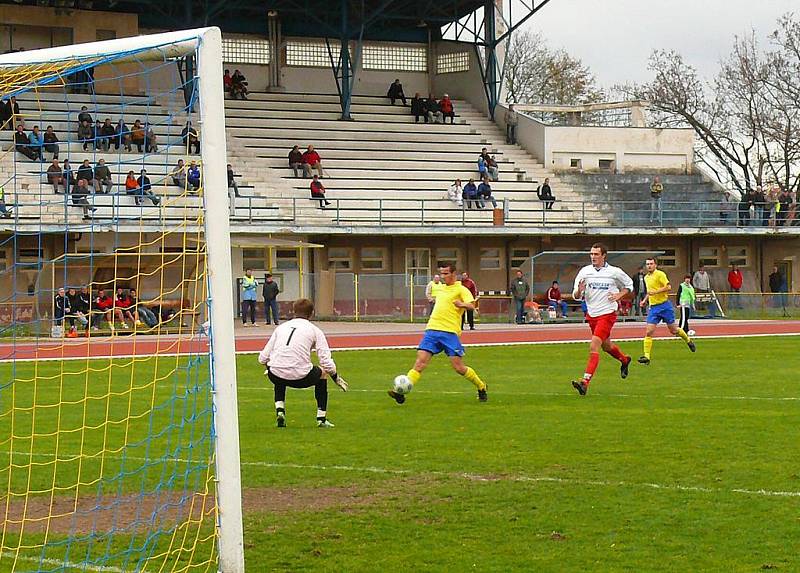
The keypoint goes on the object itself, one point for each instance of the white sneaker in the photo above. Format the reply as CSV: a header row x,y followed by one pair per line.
x,y
325,424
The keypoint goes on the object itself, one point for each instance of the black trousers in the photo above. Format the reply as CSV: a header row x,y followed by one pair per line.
x,y
686,313
314,378
251,305
469,315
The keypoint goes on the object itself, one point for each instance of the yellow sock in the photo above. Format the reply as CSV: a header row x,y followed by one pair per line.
x,y
414,376
683,335
473,377
648,345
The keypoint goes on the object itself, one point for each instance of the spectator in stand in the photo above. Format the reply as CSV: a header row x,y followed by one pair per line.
x,y
311,160
485,194
145,189
76,312
747,201
102,306
249,297
85,134
726,207
770,211
487,166
784,206
4,211
432,289
446,106
190,138
545,193
22,144
140,312
656,192
418,108
433,111
270,291
735,280
55,177
759,204
97,135
102,177
79,197
555,301
455,193
396,92
106,136
511,125
51,141
122,307
777,285
701,280
69,177
494,169
150,139
131,185
470,194
519,289
232,181
296,160
639,292
84,115
137,135
318,192
86,173
227,82
178,174
193,176
60,307
238,85
123,136
10,113
469,315
37,142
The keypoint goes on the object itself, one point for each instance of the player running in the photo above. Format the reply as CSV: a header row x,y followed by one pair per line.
x,y
658,288
601,286
443,330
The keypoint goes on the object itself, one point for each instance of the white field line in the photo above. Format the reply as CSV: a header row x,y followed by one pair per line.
x,y
63,564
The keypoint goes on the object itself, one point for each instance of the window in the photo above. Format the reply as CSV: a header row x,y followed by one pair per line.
x,y
105,35
490,259
373,259
254,258
709,256
418,263
519,257
605,164
668,259
452,62
739,256
449,256
245,51
400,58
340,258
286,259
29,255
309,54
575,163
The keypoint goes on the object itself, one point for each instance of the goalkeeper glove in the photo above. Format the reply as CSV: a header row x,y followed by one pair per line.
x,y
340,382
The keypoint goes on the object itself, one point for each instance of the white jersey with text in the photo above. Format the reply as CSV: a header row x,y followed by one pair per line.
x,y
288,351
600,284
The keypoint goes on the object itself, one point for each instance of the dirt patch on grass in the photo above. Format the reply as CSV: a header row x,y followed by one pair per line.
x,y
289,499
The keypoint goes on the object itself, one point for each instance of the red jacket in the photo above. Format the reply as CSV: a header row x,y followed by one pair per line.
x,y
471,287
311,157
317,189
553,294
735,279
103,303
446,105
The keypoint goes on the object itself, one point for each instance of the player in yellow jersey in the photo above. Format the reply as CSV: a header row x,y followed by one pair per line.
x,y
658,288
443,330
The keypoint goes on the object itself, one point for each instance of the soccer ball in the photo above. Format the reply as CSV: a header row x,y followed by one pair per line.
x,y
691,333
402,385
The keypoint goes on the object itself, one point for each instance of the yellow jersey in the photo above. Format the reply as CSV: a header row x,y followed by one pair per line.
x,y
445,316
654,281
436,287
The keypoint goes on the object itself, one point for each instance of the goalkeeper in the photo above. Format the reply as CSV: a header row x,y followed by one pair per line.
x,y
287,357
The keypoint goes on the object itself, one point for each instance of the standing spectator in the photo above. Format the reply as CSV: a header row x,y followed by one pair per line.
x,y
86,173
79,197
296,160
84,115
238,85
178,174
11,114
51,141
701,280
555,301
455,192
777,285
232,181
418,108
545,193
686,298
469,315
519,289
470,194
446,106
37,141
4,211
744,208
249,296
131,185
270,292
485,194
102,177
85,134
511,125
489,165
318,192
735,279
190,138
433,110
150,139
107,133
434,286
193,176
55,176
396,92
726,206
22,144
773,204
145,189
311,160
639,291
123,136
137,135
759,204
784,206
656,192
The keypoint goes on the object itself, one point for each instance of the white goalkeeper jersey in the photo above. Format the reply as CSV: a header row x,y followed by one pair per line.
x,y
600,284
288,351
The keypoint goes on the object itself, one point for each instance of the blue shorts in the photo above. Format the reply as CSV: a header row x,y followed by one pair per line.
x,y
659,312
436,341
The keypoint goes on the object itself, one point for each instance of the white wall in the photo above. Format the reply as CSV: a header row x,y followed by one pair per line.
x,y
460,85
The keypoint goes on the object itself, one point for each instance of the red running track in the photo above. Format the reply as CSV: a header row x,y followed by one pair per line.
x,y
102,347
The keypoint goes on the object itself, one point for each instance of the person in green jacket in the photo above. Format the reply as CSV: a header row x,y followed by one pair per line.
x,y
686,298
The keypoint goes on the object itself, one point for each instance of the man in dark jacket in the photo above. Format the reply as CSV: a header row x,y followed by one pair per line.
x,y
418,108
85,172
639,292
777,285
145,189
23,145
296,160
519,289
270,293
469,315
396,92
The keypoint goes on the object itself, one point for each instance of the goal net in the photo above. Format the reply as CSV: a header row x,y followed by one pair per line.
x,y
118,431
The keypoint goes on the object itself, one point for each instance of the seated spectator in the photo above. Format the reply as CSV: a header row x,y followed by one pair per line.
x,y
470,194
396,92
55,177
238,85
318,192
131,184
311,160
296,160
76,312
544,193
60,307
106,136
494,170
140,312
446,106
418,108
485,194
554,299
69,177
190,138
4,211
193,176
123,136
79,197
150,139
532,312
433,110
37,141
102,177
85,134
145,189
455,193
232,181
122,307
84,115
137,135
86,172
23,145
178,174
102,306
51,141
227,82
97,136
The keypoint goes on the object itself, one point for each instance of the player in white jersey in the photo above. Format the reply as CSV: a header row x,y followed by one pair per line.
x,y
601,286
287,357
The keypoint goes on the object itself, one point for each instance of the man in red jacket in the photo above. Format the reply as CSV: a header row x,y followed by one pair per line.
x,y
446,106
311,160
735,280
471,287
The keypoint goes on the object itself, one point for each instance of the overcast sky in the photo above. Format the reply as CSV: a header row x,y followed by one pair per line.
x,y
615,37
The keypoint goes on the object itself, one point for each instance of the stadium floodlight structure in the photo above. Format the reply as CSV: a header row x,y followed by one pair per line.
x,y
130,461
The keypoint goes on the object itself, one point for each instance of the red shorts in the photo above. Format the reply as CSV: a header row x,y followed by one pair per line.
x,y
601,325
